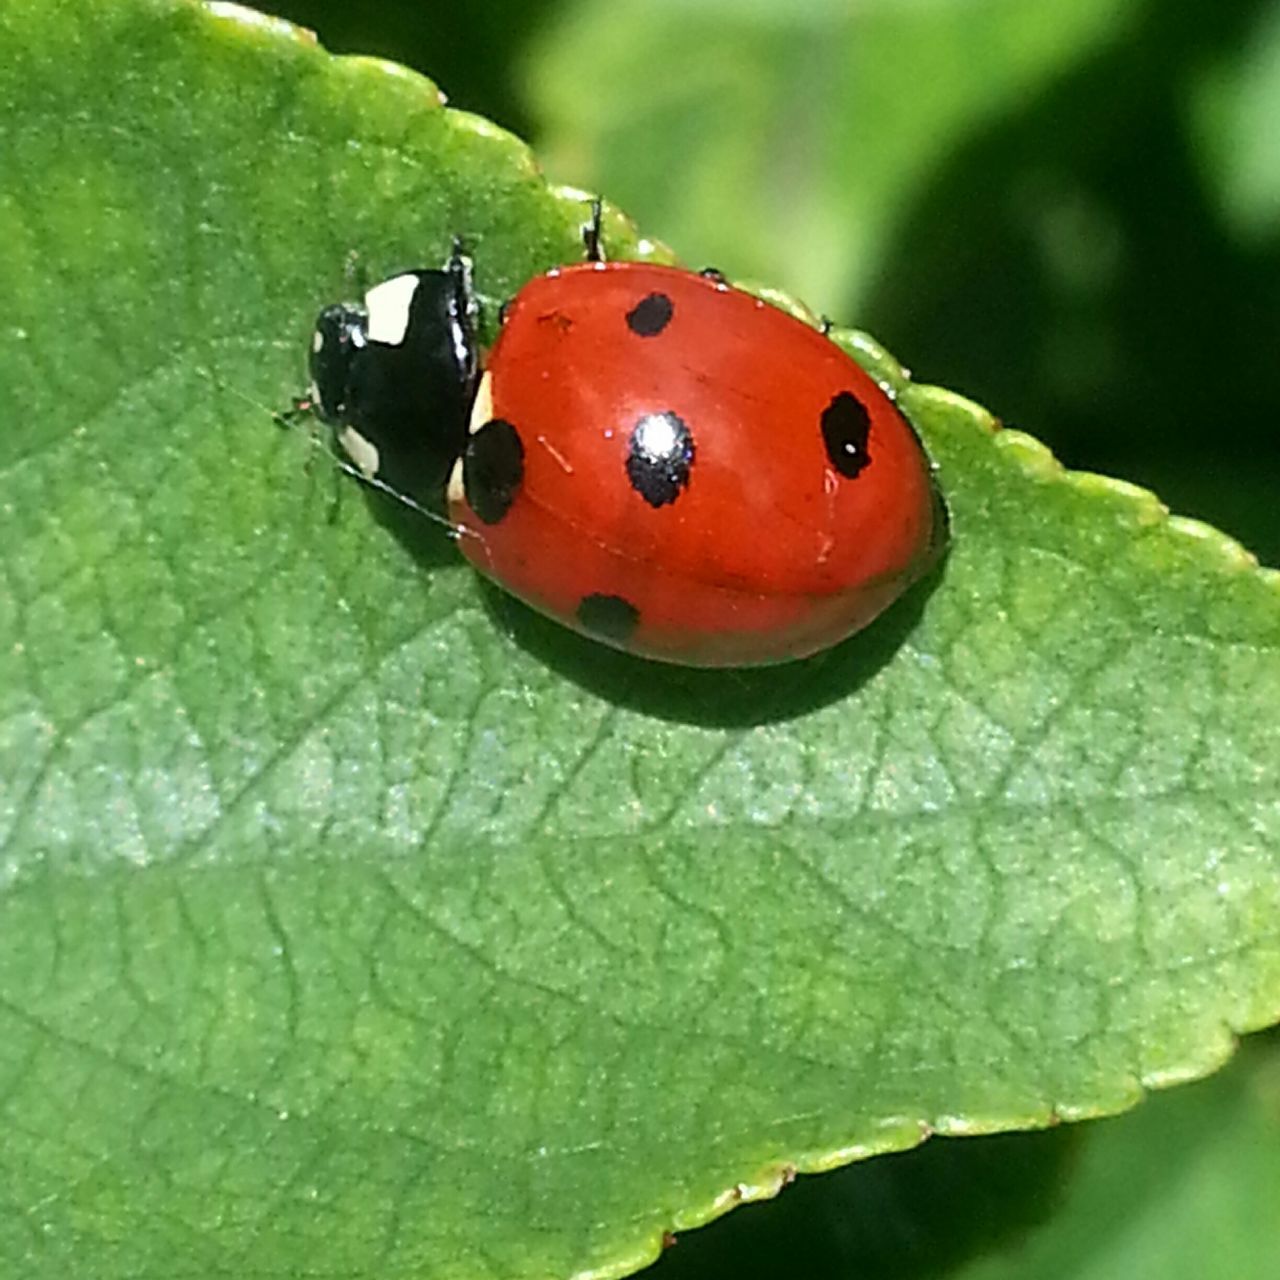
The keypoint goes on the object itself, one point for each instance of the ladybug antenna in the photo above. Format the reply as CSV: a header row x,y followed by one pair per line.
x,y
591,239
303,410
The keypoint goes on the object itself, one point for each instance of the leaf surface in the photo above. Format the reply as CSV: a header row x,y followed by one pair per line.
x,y
354,921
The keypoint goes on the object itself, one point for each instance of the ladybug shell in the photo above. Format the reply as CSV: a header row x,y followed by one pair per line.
x,y
684,471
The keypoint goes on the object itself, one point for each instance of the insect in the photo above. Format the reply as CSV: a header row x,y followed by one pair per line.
x,y
647,454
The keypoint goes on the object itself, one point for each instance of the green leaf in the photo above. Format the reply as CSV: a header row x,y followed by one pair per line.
x,y
354,921
799,106
1232,110
1183,1187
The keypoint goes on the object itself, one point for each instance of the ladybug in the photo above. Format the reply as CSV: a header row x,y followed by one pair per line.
x,y
650,456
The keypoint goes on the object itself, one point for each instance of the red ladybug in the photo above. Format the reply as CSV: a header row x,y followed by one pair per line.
x,y
656,459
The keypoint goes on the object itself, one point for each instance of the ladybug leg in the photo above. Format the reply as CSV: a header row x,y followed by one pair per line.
x,y
825,326
334,512
355,273
714,274
502,311
302,413
301,409
591,239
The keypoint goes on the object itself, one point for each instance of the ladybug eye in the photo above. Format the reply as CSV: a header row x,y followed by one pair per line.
x,y
660,457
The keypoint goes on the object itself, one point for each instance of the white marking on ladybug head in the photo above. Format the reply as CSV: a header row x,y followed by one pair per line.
x,y
361,450
317,341
388,307
482,407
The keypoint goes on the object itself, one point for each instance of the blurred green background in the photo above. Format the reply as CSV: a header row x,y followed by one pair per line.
x,y
1066,209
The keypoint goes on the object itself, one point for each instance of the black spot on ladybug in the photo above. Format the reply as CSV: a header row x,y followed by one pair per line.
x,y
650,315
660,456
608,617
492,469
846,424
